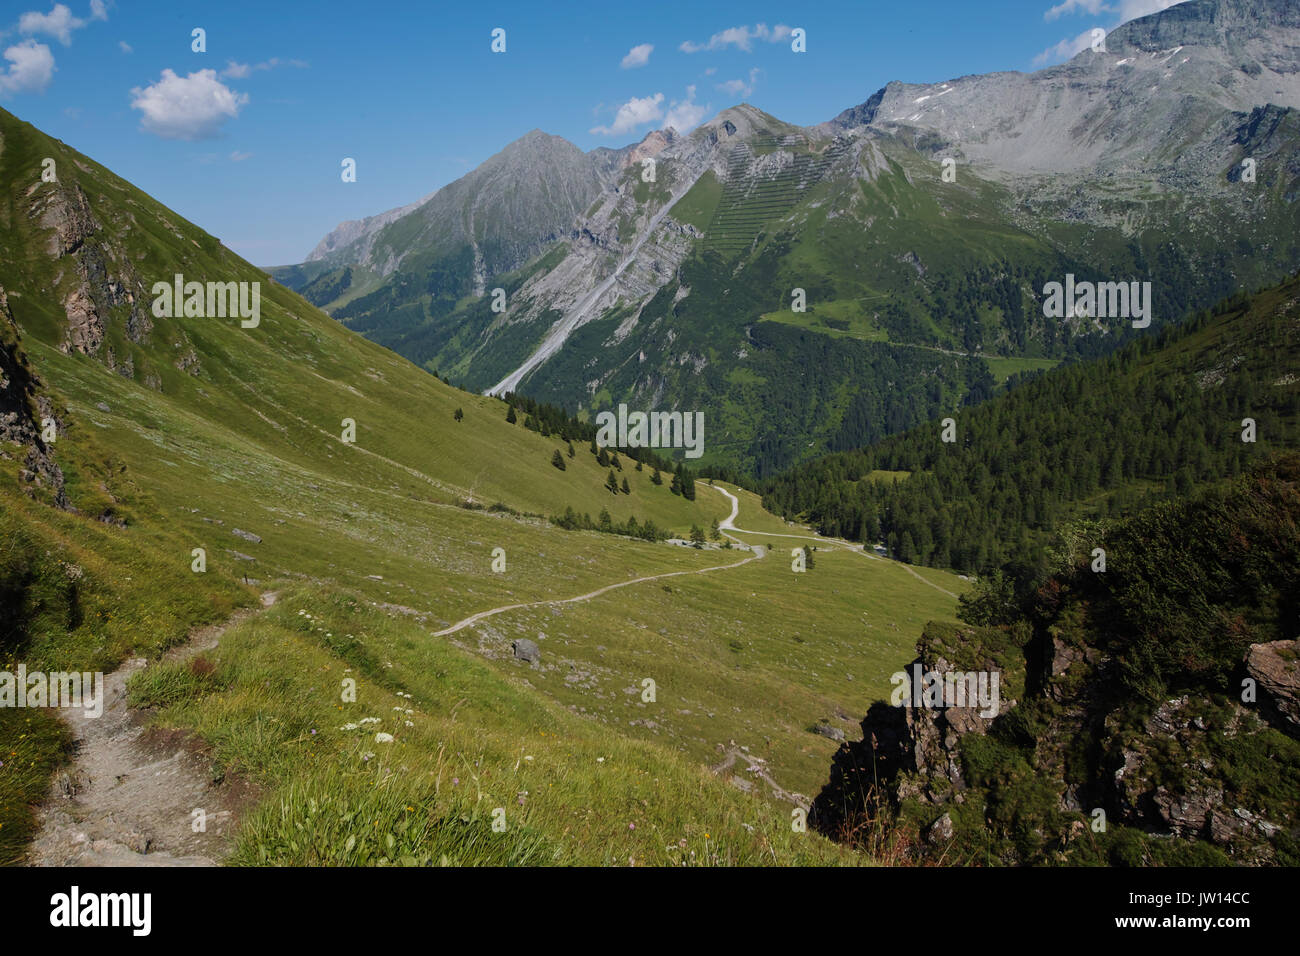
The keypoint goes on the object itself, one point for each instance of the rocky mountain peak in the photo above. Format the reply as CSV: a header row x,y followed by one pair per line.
x,y
654,143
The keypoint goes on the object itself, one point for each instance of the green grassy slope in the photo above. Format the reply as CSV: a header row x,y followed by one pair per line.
x,y
201,427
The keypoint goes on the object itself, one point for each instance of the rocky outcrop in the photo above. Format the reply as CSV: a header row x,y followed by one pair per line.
x,y
652,145
1276,669
98,277
23,409
1166,776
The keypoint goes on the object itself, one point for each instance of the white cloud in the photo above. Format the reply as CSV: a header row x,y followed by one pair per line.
x,y
635,112
1092,7
741,37
58,23
1065,49
685,115
238,157
639,55
740,88
189,108
682,115
31,68
125,47
238,71
97,10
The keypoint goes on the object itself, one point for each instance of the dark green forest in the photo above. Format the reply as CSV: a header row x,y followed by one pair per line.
x,y
1159,418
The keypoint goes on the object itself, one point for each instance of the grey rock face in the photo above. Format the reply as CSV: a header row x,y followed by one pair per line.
x,y
23,408
526,650
1276,668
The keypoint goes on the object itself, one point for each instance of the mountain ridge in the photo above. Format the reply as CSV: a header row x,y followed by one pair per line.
x,y
910,233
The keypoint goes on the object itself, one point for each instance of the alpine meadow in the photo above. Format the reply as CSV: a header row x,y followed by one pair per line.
x,y
616,472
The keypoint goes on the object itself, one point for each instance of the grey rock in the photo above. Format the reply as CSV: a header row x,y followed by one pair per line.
x,y
940,831
526,650
1276,668
246,535
826,730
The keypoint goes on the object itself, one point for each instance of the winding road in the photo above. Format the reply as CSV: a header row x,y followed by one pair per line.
x,y
726,525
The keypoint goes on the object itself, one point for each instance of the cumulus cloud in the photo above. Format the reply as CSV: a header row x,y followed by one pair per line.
x,y
740,88
188,108
682,115
639,55
635,112
31,68
125,47
741,37
1092,7
1065,49
685,115
59,22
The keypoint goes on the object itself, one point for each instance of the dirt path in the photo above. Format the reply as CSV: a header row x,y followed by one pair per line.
x,y
481,615
726,525
838,542
129,796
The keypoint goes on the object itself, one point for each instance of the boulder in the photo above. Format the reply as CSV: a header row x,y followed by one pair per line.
x,y
526,650
940,831
826,730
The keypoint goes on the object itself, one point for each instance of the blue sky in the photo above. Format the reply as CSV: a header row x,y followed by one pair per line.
x,y
247,138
